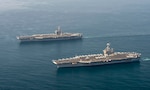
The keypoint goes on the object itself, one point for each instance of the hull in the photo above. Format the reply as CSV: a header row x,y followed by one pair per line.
x,y
98,63
50,39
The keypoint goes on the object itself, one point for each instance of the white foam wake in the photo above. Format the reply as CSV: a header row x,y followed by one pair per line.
x,y
146,59
92,37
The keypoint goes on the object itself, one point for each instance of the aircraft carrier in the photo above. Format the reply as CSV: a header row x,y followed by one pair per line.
x,y
108,57
58,35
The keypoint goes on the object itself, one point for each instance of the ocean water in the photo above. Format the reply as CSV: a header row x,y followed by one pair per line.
x,y
28,66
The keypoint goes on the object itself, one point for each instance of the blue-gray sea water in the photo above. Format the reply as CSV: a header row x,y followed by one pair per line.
x,y
28,66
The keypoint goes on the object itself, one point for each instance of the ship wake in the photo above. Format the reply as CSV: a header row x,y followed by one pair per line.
x,y
92,37
145,59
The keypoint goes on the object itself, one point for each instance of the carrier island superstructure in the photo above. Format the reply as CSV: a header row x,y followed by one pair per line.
x,y
108,57
58,35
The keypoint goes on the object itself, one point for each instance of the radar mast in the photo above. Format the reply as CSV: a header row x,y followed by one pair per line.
x,y
58,31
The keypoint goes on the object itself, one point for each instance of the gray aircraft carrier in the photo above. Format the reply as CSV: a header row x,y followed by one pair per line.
x,y
58,35
108,57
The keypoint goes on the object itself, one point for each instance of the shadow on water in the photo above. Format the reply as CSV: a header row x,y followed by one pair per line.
x,y
97,69
50,42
